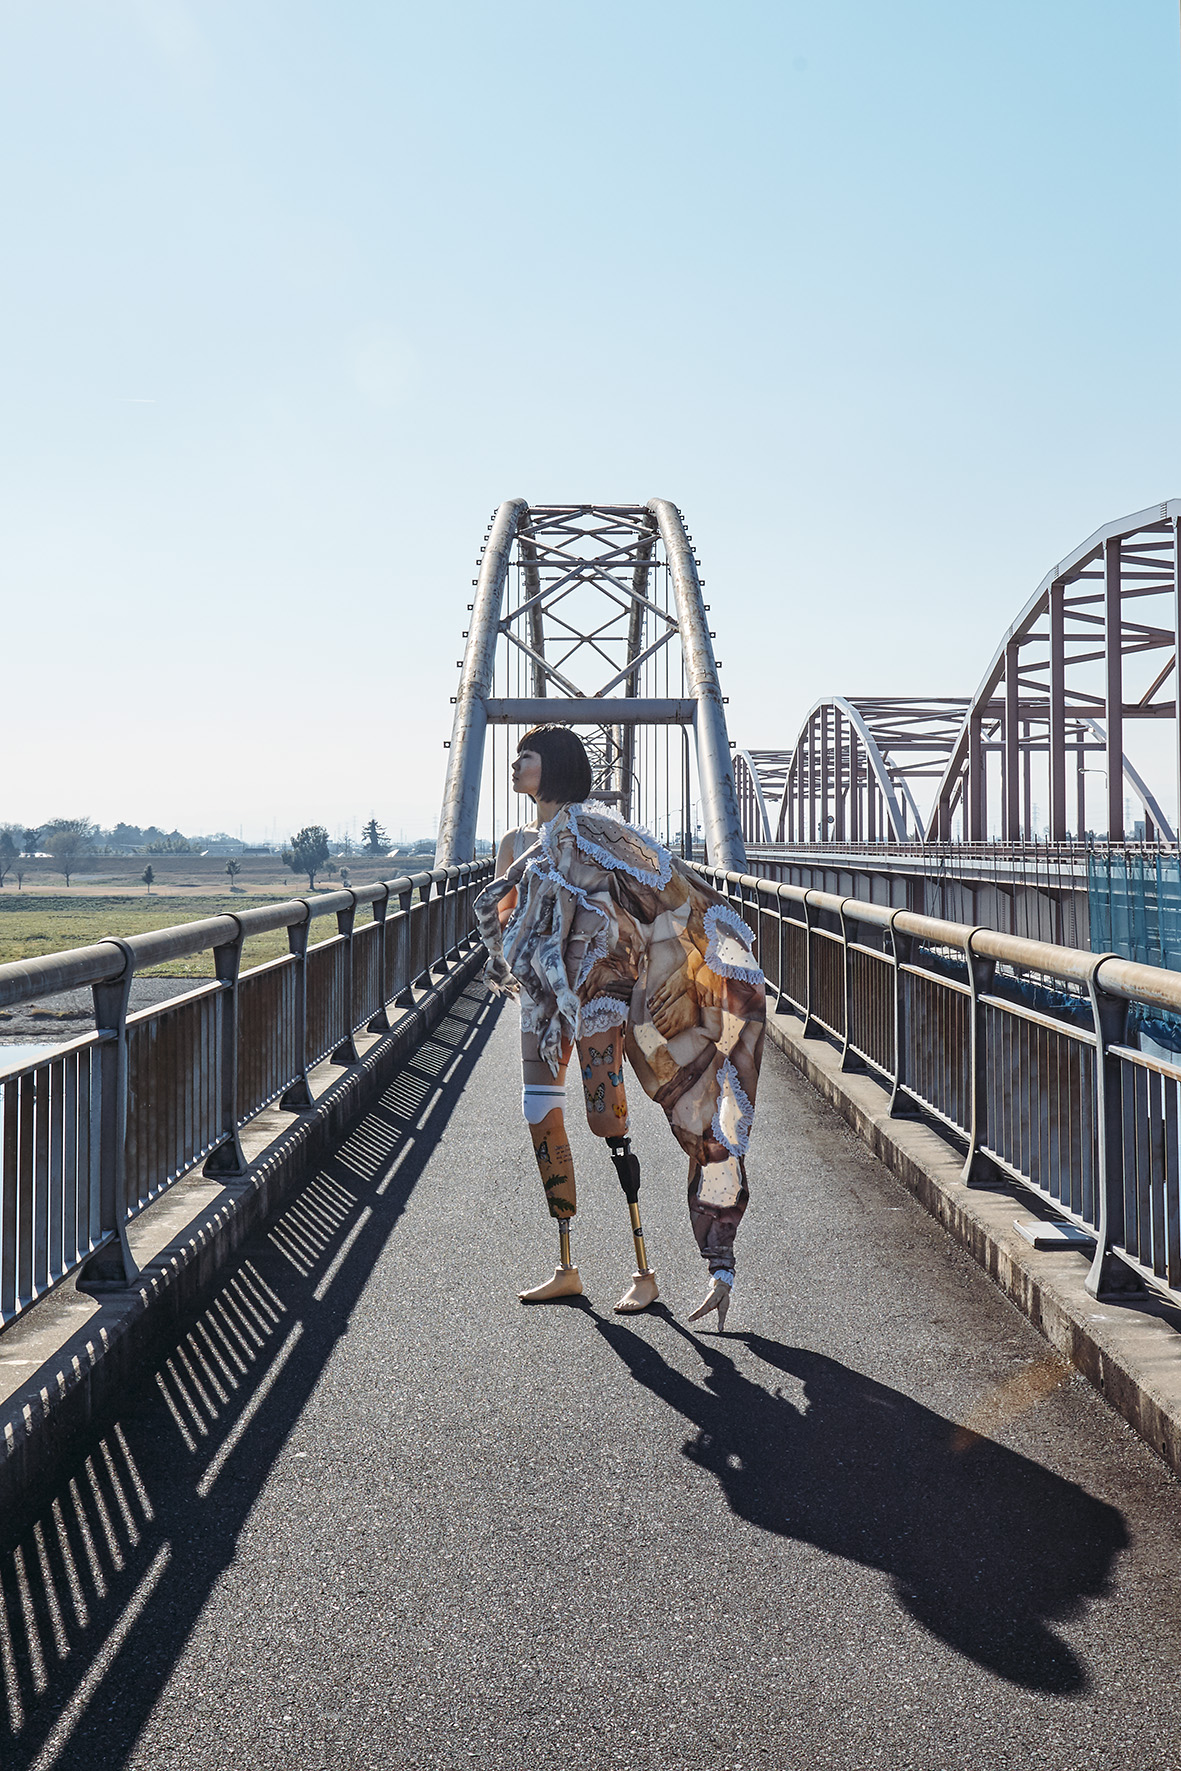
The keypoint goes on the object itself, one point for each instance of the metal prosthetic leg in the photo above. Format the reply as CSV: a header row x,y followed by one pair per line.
x,y
643,1289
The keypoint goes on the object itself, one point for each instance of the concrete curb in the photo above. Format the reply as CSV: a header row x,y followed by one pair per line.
x,y
1128,1346
83,1372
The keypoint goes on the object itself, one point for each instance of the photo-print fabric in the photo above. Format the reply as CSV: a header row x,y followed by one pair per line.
x,y
610,930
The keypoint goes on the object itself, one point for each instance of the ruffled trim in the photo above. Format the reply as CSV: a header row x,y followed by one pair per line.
x,y
657,879
713,958
600,1013
728,1074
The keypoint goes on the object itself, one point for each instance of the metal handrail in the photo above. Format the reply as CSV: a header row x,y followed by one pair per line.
x,y
93,1132
1073,1113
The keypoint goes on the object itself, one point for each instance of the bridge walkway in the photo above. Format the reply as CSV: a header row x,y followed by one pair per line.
x,y
370,1513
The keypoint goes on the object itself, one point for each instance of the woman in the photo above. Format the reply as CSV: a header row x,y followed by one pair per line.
x,y
615,945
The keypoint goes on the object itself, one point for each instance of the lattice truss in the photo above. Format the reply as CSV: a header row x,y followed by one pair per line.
x,y
590,614
1039,750
1094,649
858,772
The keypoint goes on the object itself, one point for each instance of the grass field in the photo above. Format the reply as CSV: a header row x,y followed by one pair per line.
x,y
32,925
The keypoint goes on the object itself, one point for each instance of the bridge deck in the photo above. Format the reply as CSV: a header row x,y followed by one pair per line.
x,y
372,1513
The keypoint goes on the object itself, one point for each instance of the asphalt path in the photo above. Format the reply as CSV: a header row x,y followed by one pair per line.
x,y
373,1513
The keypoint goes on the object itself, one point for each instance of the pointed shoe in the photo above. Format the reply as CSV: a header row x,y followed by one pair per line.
x,y
716,1298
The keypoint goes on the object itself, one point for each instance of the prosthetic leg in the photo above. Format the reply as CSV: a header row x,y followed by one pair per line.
x,y
643,1289
543,1110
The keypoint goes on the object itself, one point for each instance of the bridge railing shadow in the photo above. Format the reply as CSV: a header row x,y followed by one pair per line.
x,y
98,1594
984,1547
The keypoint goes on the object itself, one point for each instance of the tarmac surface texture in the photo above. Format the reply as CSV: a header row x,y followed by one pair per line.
x,y
372,1513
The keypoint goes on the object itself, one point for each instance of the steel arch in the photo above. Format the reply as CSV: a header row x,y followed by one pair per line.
x,y
1088,653
759,778
1042,707
564,551
859,757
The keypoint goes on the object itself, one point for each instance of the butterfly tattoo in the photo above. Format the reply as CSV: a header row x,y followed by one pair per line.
x,y
615,1077
596,1101
603,1057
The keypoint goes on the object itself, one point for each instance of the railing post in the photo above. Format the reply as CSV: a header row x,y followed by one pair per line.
x,y
405,996
781,900
298,1095
381,1020
901,945
1110,1013
227,1161
848,1060
111,1267
978,1170
809,969
346,1052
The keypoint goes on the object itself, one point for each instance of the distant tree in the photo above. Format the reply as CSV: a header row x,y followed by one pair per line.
x,y
344,877
307,852
30,841
67,840
233,868
148,877
374,839
10,848
330,868
345,846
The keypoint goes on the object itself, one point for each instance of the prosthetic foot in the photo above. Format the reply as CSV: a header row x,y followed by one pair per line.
x,y
643,1289
565,1282
716,1298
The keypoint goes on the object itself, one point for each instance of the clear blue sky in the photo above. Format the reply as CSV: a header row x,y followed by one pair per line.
x,y
884,295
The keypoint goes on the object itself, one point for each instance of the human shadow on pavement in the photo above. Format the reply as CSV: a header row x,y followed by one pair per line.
x,y
985,1548
99,1595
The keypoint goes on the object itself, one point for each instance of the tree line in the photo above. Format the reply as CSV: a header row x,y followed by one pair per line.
x,y
67,841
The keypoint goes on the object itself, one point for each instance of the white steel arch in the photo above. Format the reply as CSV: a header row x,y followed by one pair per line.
x,y
586,601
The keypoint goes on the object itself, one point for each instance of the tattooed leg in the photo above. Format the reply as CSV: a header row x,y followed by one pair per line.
x,y
555,1164
600,1059
542,1105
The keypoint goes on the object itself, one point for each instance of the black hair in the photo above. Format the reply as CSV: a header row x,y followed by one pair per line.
x,y
565,767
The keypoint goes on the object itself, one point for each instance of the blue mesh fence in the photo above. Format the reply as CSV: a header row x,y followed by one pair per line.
x,y
1135,905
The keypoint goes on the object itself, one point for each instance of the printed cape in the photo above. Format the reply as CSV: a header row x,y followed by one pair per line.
x,y
610,930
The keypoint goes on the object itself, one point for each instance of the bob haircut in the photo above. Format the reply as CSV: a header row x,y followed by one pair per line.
x,y
565,766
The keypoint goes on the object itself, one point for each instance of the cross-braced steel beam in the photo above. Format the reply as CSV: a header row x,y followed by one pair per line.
x,y
594,636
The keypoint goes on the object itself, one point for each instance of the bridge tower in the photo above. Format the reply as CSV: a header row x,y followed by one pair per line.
x,y
592,615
